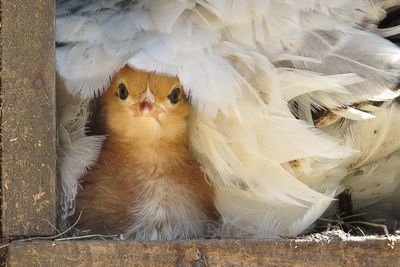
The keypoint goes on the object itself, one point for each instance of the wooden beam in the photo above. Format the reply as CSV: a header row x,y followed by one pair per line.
x,y
205,253
29,205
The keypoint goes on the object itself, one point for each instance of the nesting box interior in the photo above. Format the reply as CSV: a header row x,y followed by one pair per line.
x,y
33,233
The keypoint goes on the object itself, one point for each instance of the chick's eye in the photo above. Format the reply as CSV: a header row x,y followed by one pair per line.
x,y
122,91
174,96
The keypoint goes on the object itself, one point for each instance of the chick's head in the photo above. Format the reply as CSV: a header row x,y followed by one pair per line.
x,y
145,106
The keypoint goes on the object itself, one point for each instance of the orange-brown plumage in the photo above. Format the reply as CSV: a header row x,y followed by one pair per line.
x,y
146,182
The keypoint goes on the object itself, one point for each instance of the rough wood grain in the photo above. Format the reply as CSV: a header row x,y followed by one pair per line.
x,y
205,253
28,118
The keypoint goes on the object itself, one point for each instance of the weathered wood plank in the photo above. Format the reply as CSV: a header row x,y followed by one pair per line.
x,y
28,118
204,253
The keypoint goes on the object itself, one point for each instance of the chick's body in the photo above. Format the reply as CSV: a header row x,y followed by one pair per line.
x,y
146,182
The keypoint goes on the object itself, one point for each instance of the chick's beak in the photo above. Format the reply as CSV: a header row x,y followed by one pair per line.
x,y
147,105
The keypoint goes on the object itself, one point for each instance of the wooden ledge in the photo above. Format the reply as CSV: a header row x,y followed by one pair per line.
x,y
205,253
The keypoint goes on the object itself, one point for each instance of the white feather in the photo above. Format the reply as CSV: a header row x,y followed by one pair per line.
x,y
353,114
77,152
75,160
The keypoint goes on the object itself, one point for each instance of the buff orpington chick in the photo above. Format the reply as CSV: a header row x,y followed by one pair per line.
x,y
146,183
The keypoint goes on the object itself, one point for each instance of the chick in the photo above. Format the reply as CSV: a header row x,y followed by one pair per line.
x,y
146,183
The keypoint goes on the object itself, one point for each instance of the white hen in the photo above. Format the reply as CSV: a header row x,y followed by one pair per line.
x,y
263,76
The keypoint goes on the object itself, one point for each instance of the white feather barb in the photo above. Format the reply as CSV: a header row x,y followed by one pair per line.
x,y
75,160
353,114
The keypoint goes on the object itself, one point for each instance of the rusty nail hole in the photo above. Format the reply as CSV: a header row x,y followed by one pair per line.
x,y
38,83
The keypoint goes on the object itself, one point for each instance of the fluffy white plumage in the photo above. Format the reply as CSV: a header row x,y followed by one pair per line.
x,y
256,72
77,151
